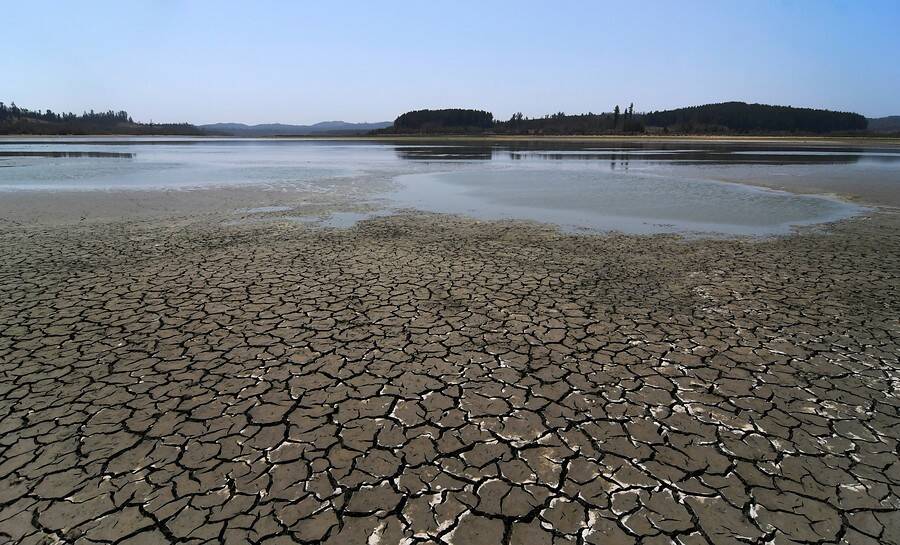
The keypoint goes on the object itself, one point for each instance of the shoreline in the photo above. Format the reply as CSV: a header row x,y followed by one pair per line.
x,y
762,139
40,208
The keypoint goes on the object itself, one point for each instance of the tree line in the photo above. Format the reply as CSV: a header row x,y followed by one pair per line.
x,y
617,121
721,118
748,118
17,120
437,121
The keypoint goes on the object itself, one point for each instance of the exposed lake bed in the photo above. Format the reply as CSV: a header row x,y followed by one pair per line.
x,y
448,347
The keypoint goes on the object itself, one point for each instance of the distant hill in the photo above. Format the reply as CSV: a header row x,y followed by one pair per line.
x,y
740,117
438,121
890,123
280,129
721,118
16,120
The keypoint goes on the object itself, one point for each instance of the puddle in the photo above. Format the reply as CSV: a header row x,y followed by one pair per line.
x,y
577,200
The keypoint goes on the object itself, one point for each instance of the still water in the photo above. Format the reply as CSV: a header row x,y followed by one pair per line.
x,y
629,187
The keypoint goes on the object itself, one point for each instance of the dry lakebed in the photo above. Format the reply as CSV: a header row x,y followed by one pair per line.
x,y
244,364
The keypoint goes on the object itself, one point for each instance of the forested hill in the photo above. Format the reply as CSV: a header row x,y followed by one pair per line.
x,y
15,120
890,124
722,118
452,119
741,117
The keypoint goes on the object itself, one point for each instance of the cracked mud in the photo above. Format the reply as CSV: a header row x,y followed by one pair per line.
x,y
426,379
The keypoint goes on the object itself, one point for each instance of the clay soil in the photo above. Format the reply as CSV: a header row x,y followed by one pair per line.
x,y
429,379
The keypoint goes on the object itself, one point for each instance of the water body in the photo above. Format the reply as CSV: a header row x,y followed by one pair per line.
x,y
698,187
634,202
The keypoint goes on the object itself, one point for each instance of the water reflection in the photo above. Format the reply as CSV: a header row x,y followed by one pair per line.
x,y
604,184
444,153
654,153
67,154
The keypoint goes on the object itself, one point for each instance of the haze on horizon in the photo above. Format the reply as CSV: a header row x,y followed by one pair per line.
x,y
206,62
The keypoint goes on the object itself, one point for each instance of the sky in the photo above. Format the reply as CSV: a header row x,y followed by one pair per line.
x,y
303,62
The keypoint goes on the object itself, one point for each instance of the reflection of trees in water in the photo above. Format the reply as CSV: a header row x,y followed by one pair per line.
x,y
620,155
444,153
76,154
620,162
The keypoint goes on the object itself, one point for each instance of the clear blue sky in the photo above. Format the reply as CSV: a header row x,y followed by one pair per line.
x,y
301,62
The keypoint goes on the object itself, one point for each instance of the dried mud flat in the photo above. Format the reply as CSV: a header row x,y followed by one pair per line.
x,y
423,379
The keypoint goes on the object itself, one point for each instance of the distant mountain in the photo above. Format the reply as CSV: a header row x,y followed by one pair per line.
x,y
281,129
890,123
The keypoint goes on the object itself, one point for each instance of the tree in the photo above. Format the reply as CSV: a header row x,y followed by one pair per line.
x,y
15,120
754,118
448,120
616,113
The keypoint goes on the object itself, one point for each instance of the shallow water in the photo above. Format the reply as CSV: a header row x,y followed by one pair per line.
x,y
634,203
635,188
